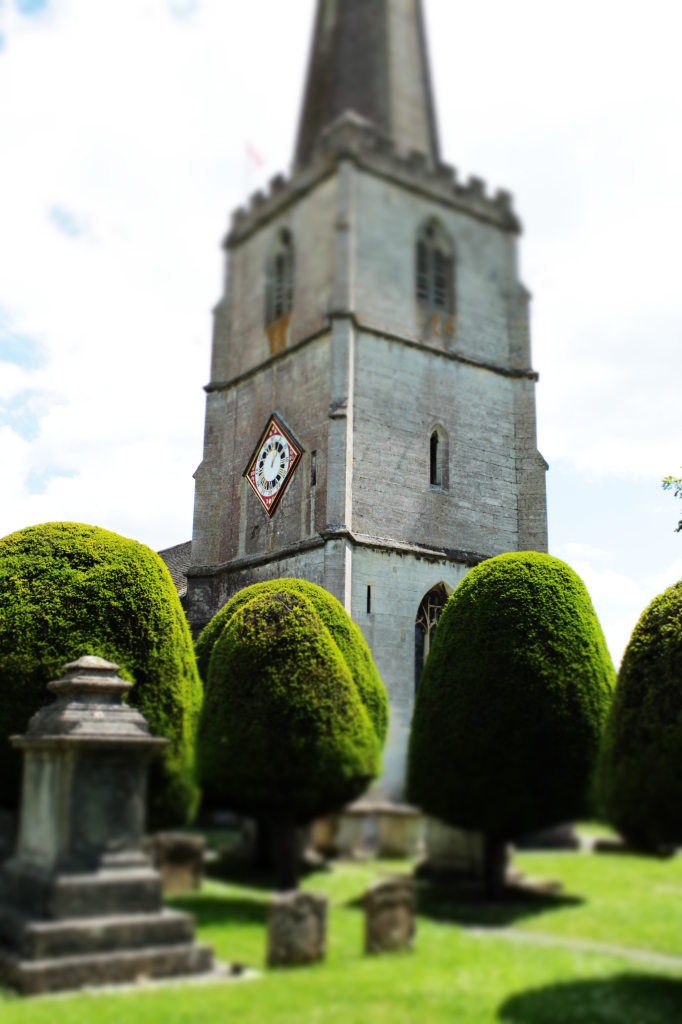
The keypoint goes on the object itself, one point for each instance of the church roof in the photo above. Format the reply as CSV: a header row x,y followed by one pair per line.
x,y
370,57
177,561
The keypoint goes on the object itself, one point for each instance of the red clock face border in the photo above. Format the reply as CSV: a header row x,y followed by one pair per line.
x,y
275,428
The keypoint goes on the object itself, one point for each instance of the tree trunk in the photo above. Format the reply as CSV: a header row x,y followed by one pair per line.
x,y
494,867
284,853
263,846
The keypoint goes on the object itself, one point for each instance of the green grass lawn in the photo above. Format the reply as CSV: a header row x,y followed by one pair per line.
x,y
452,975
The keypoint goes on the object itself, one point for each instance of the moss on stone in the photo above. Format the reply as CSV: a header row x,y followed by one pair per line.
x,y
66,590
512,700
640,767
344,631
283,730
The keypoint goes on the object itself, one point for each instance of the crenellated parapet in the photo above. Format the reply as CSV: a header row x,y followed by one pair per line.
x,y
353,138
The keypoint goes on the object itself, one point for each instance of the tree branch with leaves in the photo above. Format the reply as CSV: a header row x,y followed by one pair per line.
x,y
674,483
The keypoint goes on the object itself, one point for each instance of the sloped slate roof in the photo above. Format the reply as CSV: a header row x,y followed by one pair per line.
x,y
177,559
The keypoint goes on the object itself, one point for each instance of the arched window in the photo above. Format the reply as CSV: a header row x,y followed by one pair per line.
x,y
435,268
438,458
428,615
280,290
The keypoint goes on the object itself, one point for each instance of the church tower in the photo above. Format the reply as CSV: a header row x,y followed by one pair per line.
x,y
370,418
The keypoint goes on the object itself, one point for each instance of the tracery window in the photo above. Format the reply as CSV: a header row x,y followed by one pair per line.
x,y
429,613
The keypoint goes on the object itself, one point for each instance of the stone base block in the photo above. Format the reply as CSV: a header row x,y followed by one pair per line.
x,y
37,977
323,834
390,907
297,929
349,836
98,894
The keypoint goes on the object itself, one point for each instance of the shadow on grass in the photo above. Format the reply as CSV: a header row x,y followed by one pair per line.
x,y
623,999
251,876
448,901
214,910
236,872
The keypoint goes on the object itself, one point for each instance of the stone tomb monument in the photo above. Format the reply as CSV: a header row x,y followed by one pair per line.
x,y
80,902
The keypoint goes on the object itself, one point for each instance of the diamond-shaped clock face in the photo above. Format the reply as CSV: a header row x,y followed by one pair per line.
x,y
272,464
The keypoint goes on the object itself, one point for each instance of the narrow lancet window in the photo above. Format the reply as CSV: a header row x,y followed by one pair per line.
x,y
435,460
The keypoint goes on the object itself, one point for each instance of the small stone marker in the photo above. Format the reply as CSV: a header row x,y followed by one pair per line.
x,y
297,929
390,915
180,861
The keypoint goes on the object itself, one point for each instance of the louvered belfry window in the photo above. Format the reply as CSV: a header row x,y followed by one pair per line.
x,y
435,269
281,278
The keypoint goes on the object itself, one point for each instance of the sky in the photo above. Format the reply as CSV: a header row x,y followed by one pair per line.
x,y
129,131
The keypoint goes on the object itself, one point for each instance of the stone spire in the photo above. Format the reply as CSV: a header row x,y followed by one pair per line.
x,y
369,57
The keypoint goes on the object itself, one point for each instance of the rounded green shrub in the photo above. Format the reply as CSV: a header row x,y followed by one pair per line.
x,y
283,731
512,700
66,590
640,766
344,631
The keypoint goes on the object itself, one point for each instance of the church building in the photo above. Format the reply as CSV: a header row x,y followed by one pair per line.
x,y
370,417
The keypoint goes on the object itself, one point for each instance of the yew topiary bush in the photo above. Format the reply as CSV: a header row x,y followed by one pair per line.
x,y
640,767
511,703
66,590
344,632
284,734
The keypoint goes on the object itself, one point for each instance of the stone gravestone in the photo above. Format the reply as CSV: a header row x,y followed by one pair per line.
x,y
390,906
180,861
297,929
80,902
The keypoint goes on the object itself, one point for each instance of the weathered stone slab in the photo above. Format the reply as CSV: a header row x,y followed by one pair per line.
x,y
47,940
297,929
390,907
65,973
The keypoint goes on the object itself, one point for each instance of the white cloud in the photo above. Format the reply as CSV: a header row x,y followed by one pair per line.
x,y
673,574
576,549
605,583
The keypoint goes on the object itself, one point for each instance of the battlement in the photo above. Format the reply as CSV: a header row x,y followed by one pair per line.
x,y
354,138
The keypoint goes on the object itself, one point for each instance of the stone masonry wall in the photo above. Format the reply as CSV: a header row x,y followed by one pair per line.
x,y
401,393
240,340
229,521
398,582
388,219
